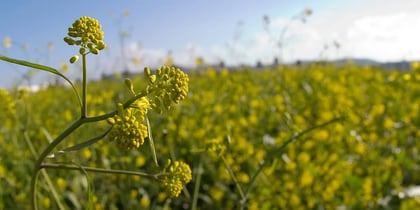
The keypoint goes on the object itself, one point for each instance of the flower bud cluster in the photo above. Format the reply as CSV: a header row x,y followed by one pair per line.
x,y
167,87
215,147
178,174
88,30
8,105
129,130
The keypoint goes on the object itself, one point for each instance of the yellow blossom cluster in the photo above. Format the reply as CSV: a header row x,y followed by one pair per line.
x,y
177,175
86,32
129,130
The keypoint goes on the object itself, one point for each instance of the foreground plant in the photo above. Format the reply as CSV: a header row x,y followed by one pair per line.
x,y
129,126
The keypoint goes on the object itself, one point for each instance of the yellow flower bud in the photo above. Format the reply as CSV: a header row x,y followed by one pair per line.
x,y
88,30
74,58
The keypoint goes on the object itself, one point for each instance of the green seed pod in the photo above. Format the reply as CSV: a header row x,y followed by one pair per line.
x,y
82,51
101,45
120,108
94,51
111,120
152,78
74,58
147,72
129,85
68,40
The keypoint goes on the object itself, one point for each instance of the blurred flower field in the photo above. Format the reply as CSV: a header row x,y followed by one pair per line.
x,y
230,126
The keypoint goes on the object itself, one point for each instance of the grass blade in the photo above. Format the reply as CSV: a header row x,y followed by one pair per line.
x,y
81,145
151,142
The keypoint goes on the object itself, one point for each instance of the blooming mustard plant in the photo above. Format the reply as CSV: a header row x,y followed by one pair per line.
x,y
128,123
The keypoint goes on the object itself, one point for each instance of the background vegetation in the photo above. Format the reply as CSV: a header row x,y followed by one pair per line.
x,y
232,122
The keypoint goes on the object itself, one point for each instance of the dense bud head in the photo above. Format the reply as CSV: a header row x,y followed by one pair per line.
x,y
86,32
178,174
167,87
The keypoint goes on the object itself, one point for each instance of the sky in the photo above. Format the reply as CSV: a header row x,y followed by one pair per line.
x,y
142,33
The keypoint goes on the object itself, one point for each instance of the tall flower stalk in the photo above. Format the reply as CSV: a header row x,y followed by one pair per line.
x,y
129,126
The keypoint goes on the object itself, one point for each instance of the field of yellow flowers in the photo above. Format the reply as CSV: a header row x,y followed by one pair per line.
x,y
354,135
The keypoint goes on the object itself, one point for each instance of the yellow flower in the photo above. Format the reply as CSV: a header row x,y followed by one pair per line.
x,y
7,42
168,87
306,178
177,175
144,202
64,67
88,30
61,183
129,131
140,161
8,106
199,61
87,153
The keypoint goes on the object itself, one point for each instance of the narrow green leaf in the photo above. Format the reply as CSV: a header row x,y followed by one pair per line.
x,y
89,205
47,135
42,68
81,145
151,142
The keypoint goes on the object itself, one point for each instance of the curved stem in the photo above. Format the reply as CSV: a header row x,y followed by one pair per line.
x,y
42,68
98,170
235,180
84,119
47,178
44,154
111,114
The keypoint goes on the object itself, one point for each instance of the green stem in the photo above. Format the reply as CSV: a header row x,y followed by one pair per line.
x,y
238,186
197,184
63,135
97,170
84,88
111,114
44,154
47,178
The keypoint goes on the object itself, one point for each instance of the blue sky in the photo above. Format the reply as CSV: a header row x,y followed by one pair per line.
x,y
384,30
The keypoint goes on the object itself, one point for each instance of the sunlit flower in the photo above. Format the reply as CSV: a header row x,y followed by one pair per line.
x,y
167,87
129,131
177,175
86,32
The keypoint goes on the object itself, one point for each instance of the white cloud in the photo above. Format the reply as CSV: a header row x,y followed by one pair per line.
x,y
388,37
360,32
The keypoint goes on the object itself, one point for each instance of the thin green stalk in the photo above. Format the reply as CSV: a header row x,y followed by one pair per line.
x,y
238,186
47,178
111,114
63,135
98,170
197,184
84,88
44,154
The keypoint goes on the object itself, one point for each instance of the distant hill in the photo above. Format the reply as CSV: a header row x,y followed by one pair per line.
x,y
401,65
